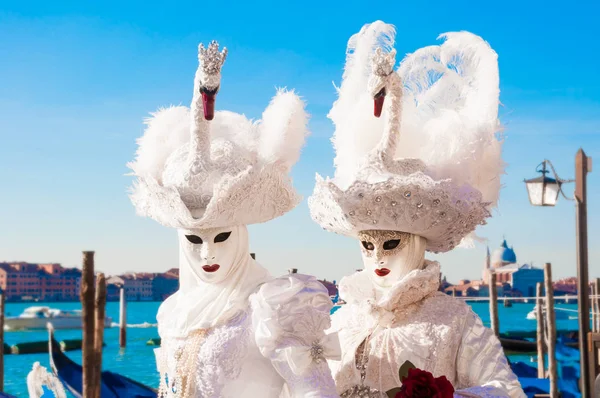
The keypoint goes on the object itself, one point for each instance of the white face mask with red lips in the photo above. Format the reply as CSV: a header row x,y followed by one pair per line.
x,y
217,275
211,252
388,256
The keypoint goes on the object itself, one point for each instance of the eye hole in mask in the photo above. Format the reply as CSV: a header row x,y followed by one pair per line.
x,y
222,237
391,244
368,245
194,239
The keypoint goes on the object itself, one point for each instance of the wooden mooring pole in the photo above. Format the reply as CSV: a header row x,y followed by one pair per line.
x,y
551,322
583,165
99,331
87,314
540,331
2,313
123,319
494,305
597,304
593,309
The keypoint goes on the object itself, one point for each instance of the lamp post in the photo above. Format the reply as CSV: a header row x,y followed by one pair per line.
x,y
543,191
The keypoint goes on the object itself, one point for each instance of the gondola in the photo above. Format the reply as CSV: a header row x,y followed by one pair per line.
x,y
113,385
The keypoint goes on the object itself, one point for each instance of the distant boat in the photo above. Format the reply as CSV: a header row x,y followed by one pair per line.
x,y
558,314
37,318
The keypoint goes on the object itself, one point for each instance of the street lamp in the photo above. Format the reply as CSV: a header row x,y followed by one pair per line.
x,y
543,191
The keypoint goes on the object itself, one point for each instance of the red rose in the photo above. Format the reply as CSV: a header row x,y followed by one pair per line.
x,y
422,384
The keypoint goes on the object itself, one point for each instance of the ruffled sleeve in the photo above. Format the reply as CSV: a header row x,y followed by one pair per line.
x,y
290,315
482,368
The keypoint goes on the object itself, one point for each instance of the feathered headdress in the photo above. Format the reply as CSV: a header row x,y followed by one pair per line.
x,y
431,164
200,169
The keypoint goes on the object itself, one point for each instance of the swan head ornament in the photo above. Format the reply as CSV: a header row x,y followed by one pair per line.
x,y
382,67
209,75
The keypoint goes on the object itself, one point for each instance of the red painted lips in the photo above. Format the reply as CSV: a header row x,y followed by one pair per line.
x,y
382,271
211,268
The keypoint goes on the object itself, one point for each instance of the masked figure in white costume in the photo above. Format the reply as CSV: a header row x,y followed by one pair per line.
x,y
231,329
419,178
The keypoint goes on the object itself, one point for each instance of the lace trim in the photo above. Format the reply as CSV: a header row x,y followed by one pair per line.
x,y
206,361
182,382
250,197
415,286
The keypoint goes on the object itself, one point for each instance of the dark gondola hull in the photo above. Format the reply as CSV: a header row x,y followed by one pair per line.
x,y
522,345
113,385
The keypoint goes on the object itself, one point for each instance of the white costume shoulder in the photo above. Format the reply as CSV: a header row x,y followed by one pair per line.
x,y
414,322
481,362
290,315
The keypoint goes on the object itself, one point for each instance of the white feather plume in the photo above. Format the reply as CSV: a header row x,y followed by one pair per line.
x,y
166,130
449,115
283,129
450,112
278,137
354,106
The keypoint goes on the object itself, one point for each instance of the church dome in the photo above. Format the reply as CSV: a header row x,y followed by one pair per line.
x,y
503,255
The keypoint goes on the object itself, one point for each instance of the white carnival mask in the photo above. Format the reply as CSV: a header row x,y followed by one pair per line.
x,y
388,256
211,252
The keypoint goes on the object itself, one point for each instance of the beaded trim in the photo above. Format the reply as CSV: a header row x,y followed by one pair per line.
x,y
182,382
362,391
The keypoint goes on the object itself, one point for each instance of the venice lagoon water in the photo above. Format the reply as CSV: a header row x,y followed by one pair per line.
x,y
137,360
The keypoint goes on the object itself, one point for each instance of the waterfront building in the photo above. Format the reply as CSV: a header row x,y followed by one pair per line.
x,y
164,285
21,281
138,286
522,279
467,288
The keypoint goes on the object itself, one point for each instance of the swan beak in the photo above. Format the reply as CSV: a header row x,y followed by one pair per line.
x,y
378,102
208,103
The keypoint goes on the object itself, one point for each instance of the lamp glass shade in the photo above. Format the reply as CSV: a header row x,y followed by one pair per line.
x,y
543,191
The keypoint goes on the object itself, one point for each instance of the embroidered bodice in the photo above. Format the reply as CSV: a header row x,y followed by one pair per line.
x,y
275,344
412,321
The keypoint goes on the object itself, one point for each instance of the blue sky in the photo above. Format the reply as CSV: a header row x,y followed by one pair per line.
x,y
77,79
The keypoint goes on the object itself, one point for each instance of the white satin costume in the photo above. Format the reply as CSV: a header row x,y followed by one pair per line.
x,y
231,330
417,168
413,321
264,332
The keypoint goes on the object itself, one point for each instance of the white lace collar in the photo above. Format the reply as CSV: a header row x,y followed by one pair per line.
x,y
419,283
